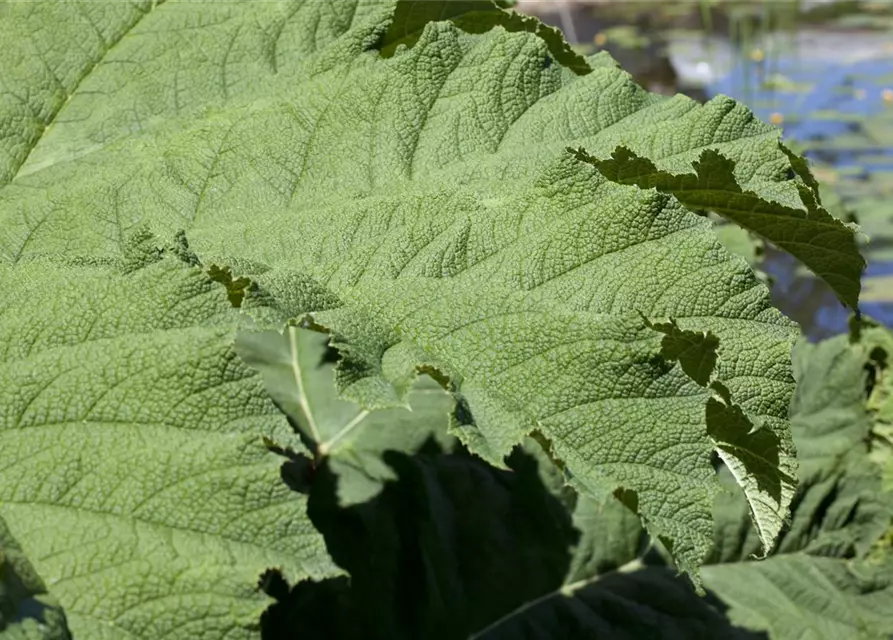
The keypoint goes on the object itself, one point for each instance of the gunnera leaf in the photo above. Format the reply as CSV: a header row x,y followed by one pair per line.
x,y
27,612
135,475
818,582
431,194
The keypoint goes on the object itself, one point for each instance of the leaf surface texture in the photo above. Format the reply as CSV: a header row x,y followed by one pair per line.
x,y
135,471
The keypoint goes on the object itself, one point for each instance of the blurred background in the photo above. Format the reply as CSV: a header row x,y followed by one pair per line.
x,y
822,70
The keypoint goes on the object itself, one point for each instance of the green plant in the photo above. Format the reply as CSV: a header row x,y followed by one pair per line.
x,y
492,230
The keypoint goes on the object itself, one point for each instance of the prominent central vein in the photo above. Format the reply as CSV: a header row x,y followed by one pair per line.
x,y
299,381
350,426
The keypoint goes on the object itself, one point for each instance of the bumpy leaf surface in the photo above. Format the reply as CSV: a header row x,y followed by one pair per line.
x,y
817,583
135,475
840,508
428,203
27,612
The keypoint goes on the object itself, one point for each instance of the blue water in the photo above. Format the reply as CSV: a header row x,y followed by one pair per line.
x,y
835,88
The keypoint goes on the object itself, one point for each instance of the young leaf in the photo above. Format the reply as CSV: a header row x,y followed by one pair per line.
x,y
352,438
135,475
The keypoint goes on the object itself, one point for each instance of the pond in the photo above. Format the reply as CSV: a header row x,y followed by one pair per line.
x,y
821,70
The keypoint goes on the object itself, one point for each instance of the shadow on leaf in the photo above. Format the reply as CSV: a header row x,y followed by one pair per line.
x,y
454,548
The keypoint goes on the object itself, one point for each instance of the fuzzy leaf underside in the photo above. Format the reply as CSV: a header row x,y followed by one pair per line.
x,y
135,475
428,202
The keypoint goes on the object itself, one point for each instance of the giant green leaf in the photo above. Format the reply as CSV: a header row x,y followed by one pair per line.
x,y
426,206
135,475
27,612
407,549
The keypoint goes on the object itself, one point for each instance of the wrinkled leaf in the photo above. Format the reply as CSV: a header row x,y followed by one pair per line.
x,y
788,215
839,509
800,595
424,208
818,583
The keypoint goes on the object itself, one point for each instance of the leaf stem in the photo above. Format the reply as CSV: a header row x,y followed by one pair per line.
x,y
566,590
299,381
350,426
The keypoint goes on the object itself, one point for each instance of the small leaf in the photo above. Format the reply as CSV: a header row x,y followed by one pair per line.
x,y
301,381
